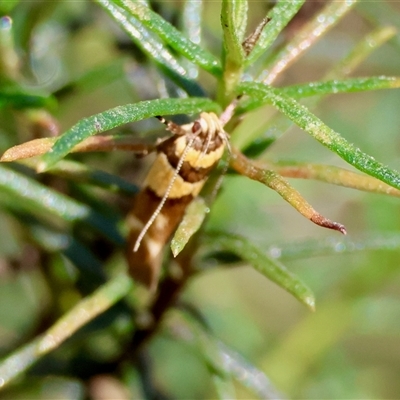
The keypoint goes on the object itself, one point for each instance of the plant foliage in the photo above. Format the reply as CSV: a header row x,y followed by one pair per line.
x,y
88,77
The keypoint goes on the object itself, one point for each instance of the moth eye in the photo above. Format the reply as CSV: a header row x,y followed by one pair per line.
x,y
196,127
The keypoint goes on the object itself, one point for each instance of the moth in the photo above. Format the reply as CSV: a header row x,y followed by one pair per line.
x,y
180,170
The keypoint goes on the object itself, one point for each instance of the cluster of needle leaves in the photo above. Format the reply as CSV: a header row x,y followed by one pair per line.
x,y
69,226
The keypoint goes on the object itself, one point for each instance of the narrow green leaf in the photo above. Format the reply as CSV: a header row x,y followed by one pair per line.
x,y
192,20
79,172
334,245
37,197
381,14
248,374
321,132
233,20
305,37
267,133
335,317
57,242
341,86
170,35
224,387
361,51
20,99
191,222
328,87
262,262
333,175
376,315
118,116
280,15
151,45
85,311
225,362
191,23
9,58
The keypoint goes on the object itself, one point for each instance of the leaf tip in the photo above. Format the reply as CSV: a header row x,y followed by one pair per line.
x,y
309,301
41,167
176,247
5,157
327,223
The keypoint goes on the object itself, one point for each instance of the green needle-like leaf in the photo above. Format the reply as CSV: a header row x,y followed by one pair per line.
x,y
341,86
370,43
278,124
118,116
267,266
333,175
170,35
191,24
81,314
19,99
328,87
334,245
152,46
305,37
233,20
191,222
321,132
37,197
279,16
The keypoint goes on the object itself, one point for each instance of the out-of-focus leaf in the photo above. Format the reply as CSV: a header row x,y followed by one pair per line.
x,y
332,13
82,173
224,387
9,59
118,116
37,198
191,222
19,99
7,6
341,86
328,87
333,175
75,250
247,374
152,46
262,262
267,133
170,35
381,13
279,16
333,245
361,51
82,313
376,316
287,364
322,133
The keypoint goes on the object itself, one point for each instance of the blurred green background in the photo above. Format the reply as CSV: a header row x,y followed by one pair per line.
x,y
348,349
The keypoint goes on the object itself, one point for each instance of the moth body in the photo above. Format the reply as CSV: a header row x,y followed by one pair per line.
x,y
182,166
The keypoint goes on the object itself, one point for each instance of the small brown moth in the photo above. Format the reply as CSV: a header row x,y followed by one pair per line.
x,y
182,166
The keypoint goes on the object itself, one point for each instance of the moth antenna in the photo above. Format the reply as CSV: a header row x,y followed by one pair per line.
x,y
172,126
165,197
